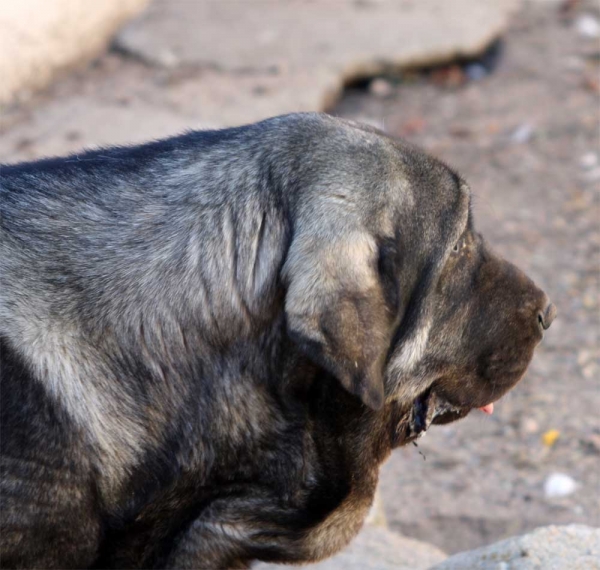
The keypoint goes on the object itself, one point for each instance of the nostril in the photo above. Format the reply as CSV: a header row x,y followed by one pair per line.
x,y
546,317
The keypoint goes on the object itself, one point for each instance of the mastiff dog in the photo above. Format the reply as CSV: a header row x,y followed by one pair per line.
x,y
210,343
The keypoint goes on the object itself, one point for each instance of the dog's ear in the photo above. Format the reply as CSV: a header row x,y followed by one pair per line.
x,y
336,311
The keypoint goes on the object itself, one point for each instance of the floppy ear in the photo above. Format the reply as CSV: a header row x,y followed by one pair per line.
x,y
336,311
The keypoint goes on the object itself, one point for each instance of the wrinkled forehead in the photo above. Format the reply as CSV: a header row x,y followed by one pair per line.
x,y
428,172
409,190
442,194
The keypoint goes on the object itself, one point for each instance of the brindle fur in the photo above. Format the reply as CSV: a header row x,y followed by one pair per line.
x,y
210,343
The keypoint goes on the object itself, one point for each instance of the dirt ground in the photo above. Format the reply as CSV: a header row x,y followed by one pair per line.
x,y
526,138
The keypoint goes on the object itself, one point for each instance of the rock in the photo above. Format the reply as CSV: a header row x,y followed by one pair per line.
x,y
587,26
307,51
42,37
588,160
530,426
375,549
572,547
592,441
475,71
381,88
350,37
559,485
522,133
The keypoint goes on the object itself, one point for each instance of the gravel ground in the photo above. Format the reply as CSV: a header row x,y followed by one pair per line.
x,y
526,139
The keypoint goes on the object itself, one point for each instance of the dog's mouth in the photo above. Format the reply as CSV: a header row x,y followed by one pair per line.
x,y
430,408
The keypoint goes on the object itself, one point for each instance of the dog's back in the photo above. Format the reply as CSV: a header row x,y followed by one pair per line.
x,y
124,271
211,343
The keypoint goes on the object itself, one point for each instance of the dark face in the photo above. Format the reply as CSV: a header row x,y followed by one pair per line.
x,y
391,290
488,317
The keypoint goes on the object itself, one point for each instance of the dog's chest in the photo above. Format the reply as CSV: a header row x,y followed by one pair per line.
x,y
342,525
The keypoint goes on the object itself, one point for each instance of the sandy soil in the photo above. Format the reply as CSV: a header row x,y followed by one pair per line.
x,y
526,139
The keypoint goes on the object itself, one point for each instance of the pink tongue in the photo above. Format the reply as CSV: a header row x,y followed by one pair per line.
x,y
489,409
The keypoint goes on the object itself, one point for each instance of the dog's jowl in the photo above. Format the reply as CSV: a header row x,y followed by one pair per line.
x,y
210,343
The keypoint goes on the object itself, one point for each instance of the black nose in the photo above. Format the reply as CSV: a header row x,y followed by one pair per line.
x,y
546,316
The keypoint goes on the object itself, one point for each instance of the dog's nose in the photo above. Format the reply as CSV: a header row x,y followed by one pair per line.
x,y
546,316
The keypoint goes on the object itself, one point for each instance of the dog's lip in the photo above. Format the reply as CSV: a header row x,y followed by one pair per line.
x,y
447,406
430,406
443,406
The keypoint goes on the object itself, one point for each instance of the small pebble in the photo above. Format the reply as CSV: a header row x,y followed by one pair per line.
x,y
593,442
529,425
475,71
522,133
587,26
559,485
588,160
381,88
167,58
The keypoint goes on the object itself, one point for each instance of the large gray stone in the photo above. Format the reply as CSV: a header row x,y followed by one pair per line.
x,y
301,53
572,547
376,548
350,38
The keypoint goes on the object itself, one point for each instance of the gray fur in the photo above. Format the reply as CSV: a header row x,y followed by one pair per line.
x,y
183,305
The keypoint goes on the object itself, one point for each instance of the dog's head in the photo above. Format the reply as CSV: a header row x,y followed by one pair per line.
x,y
392,290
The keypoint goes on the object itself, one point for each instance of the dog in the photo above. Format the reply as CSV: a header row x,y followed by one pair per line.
x,y
210,343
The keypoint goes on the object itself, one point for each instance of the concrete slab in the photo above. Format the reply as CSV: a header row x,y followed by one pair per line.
x,y
348,38
305,51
